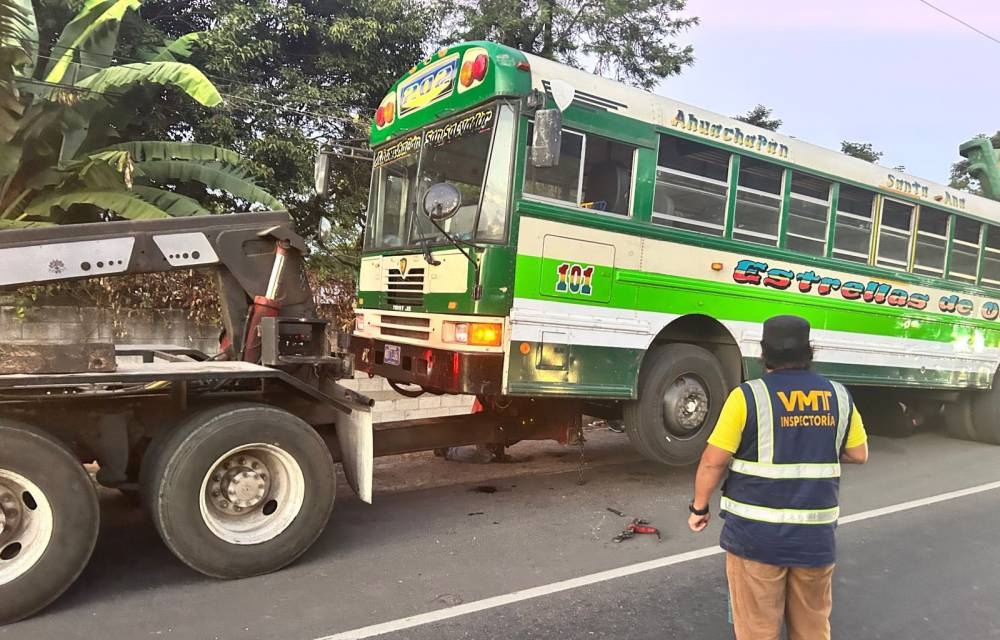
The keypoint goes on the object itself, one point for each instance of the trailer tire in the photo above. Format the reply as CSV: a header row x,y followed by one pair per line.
x,y
51,519
147,467
241,490
657,424
958,419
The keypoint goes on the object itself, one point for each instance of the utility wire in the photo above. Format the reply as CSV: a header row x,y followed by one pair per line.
x,y
961,22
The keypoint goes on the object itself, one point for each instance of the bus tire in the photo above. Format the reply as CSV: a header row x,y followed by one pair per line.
x,y
958,418
986,414
50,520
241,489
681,392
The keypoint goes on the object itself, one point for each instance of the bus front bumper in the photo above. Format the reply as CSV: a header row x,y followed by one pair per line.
x,y
437,370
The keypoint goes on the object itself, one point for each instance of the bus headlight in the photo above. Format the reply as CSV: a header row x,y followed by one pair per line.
x,y
483,334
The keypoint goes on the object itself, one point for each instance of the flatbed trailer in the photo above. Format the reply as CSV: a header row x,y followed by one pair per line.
x,y
231,454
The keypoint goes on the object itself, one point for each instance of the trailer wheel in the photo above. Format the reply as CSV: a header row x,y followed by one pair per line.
x,y
681,392
241,490
49,518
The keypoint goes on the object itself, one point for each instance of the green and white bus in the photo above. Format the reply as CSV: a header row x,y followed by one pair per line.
x,y
590,247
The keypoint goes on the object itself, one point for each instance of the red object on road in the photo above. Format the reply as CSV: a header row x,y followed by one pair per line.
x,y
637,526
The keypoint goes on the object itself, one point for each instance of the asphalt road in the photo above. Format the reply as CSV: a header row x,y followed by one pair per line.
x,y
930,572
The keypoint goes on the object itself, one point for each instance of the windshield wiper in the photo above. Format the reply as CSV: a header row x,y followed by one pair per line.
x,y
422,239
477,288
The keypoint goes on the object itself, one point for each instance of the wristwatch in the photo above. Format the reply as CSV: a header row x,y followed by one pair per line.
x,y
698,512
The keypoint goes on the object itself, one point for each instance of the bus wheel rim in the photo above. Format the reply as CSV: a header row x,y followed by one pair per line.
x,y
685,406
252,494
26,525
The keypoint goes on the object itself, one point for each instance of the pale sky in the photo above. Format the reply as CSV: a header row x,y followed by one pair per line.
x,y
891,72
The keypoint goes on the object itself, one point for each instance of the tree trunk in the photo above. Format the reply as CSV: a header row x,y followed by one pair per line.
x,y
548,7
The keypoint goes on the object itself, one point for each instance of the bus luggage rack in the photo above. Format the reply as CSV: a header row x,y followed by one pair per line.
x,y
406,290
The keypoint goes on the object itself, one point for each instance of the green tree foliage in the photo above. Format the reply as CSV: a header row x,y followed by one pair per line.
x,y
861,150
629,40
762,117
960,176
294,76
69,104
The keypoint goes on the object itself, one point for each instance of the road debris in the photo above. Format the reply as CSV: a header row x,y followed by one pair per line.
x,y
637,526
616,512
485,488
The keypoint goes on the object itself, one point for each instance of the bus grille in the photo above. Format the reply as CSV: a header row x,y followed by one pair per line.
x,y
405,327
406,291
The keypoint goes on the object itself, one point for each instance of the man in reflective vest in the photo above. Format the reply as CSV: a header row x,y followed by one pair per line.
x,y
782,438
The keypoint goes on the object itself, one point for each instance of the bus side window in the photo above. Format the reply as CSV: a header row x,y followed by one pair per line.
x,y
853,232
692,185
932,242
808,213
965,249
758,202
607,175
561,182
895,228
991,261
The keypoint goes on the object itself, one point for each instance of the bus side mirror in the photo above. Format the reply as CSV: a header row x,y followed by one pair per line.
x,y
442,201
321,173
547,139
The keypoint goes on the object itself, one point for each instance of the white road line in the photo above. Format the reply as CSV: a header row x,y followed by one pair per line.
x,y
613,574
921,502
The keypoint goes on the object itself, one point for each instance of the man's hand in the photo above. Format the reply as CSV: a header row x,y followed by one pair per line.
x,y
714,462
698,523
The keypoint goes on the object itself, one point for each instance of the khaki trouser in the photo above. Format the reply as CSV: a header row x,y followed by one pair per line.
x,y
764,595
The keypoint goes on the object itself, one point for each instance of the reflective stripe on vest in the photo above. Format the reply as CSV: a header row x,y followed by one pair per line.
x,y
765,421
843,411
780,516
786,471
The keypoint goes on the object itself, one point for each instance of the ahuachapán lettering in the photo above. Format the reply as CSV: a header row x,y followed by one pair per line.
x,y
755,272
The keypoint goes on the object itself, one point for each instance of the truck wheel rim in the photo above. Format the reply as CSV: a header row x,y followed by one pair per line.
x,y
685,406
252,493
25,525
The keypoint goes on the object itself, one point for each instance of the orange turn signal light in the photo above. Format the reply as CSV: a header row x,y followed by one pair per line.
x,y
465,75
485,334
717,266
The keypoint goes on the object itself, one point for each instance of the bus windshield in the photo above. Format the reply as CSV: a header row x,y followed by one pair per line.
x,y
473,152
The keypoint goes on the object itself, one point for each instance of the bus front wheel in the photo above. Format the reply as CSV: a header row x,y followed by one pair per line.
x,y
681,392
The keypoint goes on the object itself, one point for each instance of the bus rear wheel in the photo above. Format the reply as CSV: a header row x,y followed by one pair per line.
x,y
959,420
681,392
985,412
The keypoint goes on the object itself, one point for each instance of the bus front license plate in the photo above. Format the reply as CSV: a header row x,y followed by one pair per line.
x,y
392,353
